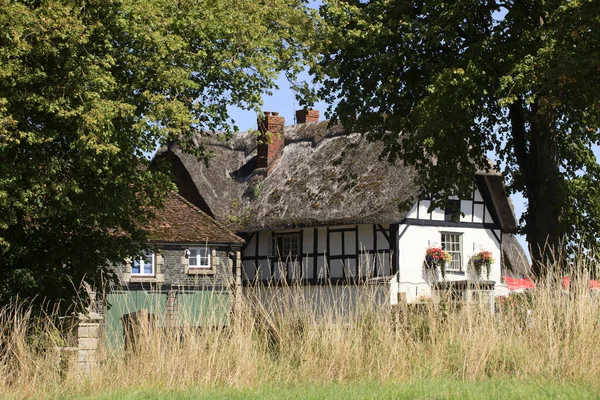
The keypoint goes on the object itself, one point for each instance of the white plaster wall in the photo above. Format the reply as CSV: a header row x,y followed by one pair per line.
x,y
438,215
322,267
413,212
308,267
415,280
466,208
308,240
422,210
264,243
249,270
478,213
322,240
350,242
365,236
335,243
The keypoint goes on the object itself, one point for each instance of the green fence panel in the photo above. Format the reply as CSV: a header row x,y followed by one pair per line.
x,y
203,308
127,302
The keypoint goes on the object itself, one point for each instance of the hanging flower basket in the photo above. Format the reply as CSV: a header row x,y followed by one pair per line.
x,y
435,258
482,260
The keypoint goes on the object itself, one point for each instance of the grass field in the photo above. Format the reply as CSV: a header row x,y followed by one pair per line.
x,y
544,345
446,389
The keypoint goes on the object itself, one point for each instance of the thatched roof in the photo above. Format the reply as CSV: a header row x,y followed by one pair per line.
x,y
514,256
324,177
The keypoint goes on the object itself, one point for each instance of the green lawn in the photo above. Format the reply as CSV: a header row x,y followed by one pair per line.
x,y
492,389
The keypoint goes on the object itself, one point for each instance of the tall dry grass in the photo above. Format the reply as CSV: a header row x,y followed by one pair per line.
x,y
294,339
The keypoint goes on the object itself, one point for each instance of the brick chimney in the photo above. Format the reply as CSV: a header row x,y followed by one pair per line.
x,y
303,116
270,146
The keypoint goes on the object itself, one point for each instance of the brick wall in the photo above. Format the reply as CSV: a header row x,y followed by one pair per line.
x,y
271,141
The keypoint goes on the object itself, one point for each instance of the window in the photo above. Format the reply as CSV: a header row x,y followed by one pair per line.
x,y
285,246
452,243
199,257
452,211
144,264
274,249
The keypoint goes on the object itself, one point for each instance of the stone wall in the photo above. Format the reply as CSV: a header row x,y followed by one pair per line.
x,y
174,271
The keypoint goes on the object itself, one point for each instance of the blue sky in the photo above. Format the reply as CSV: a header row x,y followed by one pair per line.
x,y
283,101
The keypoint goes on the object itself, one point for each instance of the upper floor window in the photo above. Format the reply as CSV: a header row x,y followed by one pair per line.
x,y
199,257
452,211
452,243
144,264
285,246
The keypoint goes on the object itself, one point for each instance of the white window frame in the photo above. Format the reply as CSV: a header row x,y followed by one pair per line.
x,y
444,244
198,257
141,260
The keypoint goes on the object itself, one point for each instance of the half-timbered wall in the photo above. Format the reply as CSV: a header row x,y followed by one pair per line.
x,y
473,211
477,227
351,253
415,279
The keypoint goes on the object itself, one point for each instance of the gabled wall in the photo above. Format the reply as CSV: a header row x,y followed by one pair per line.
x,y
479,230
415,279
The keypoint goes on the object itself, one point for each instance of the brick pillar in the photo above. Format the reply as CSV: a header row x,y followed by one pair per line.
x,y
304,116
270,140
88,338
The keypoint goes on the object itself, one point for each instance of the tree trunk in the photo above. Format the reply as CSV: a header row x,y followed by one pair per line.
x,y
536,151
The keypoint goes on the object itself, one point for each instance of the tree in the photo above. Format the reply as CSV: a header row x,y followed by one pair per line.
x,y
87,89
444,83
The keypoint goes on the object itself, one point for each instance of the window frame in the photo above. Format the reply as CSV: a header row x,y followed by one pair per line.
x,y
278,246
452,211
453,253
140,259
198,257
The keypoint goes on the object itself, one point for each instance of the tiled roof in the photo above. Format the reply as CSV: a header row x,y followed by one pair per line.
x,y
182,222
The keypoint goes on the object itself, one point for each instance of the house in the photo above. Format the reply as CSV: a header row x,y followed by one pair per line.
x,y
189,277
317,206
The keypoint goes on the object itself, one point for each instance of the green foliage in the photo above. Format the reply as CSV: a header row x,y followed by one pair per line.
x,y
87,88
443,84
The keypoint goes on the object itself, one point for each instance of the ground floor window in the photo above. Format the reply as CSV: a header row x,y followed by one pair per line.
x,y
286,246
144,264
452,243
199,257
